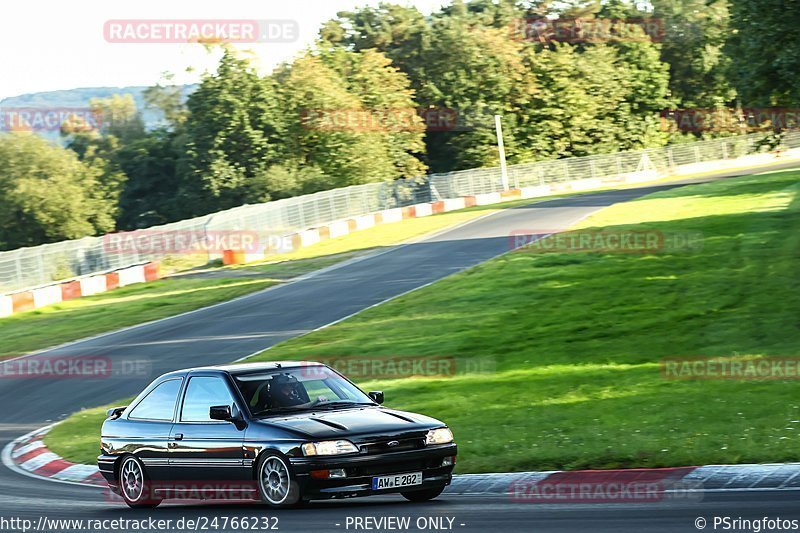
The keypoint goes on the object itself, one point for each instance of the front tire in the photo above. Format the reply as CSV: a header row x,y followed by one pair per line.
x,y
276,484
422,495
135,486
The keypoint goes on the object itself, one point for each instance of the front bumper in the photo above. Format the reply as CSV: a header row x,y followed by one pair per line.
x,y
360,469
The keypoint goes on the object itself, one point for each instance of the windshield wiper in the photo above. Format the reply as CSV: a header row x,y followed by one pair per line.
x,y
339,403
299,408
277,410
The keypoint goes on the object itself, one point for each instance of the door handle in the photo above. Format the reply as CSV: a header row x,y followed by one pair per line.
x,y
178,436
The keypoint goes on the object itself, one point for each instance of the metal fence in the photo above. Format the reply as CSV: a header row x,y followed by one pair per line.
x,y
660,160
40,265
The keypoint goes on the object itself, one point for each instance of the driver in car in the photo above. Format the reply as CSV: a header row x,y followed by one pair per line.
x,y
284,391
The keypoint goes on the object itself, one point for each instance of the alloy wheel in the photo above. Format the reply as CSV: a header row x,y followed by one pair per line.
x,y
132,479
275,480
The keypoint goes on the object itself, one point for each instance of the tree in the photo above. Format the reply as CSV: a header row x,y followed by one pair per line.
x,y
695,32
137,169
120,125
234,133
556,99
383,90
341,106
118,117
399,32
168,99
765,43
645,77
151,167
47,194
477,72
325,132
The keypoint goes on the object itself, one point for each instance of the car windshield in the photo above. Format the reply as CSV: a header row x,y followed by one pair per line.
x,y
298,389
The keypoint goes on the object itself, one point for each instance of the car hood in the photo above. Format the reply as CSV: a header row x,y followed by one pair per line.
x,y
355,422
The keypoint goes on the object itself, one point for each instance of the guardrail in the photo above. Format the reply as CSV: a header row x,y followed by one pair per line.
x,y
27,268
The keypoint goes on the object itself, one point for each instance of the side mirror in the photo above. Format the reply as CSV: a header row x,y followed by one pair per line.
x,y
220,412
376,395
115,412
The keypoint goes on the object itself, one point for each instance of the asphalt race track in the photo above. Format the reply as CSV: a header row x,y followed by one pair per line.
x,y
235,329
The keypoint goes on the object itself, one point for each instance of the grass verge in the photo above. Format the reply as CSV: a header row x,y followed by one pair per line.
x,y
575,342
135,304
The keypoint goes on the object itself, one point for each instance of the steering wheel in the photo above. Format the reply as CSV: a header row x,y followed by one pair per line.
x,y
319,400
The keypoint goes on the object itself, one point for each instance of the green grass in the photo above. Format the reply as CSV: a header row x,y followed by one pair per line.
x,y
135,304
575,340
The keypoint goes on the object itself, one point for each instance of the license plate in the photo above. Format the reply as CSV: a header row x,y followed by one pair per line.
x,y
396,481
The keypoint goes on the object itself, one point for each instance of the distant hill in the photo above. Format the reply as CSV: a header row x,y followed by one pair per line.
x,y
77,98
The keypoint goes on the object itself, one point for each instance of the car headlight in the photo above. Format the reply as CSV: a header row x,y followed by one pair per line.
x,y
439,436
329,447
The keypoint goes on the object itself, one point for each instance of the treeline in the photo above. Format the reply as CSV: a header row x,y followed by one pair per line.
x,y
309,125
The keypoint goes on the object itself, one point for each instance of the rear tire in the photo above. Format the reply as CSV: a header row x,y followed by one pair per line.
x,y
135,486
277,485
422,495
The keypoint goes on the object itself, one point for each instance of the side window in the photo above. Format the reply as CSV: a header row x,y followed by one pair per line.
x,y
159,404
201,394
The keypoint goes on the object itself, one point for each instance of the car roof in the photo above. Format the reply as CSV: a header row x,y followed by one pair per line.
x,y
244,368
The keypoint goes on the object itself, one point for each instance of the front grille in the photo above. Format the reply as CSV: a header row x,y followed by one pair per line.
x,y
387,468
382,446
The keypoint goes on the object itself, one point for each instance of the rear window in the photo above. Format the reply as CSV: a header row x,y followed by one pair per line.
x,y
159,404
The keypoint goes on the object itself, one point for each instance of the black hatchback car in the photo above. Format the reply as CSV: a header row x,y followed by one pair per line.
x,y
282,432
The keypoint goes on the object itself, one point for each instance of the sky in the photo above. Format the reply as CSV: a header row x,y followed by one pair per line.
x,y
49,45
